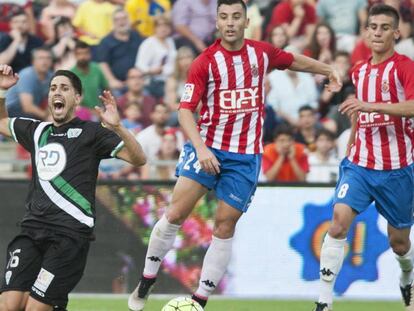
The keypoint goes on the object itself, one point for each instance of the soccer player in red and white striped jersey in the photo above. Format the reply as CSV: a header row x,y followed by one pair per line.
x,y
227,82
379,166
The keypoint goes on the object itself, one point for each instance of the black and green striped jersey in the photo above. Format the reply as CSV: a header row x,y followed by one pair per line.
x,y
65,162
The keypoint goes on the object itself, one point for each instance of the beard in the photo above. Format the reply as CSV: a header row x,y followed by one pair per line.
x,y
64,118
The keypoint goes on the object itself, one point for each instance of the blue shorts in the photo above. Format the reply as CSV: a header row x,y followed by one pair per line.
x,y
237,181
392,191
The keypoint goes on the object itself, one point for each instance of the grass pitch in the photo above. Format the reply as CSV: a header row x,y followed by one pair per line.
x,y
120,304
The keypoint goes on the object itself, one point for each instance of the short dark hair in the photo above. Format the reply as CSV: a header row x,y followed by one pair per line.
x,y
73,78
325,132
81,45
231,2
283,129
43,48
384,9
17,12
306,108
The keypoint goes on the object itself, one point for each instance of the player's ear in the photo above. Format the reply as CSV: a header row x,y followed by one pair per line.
x,y
397,34
247,23
78,99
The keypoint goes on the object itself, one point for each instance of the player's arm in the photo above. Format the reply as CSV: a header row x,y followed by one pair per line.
x,y
307,64
351,139
131,151
7,80
207,159
401,109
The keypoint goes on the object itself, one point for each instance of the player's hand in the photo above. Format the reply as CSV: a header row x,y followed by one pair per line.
x,y
208,160
292,152
7,77
353,105
299,11
109,114
335,81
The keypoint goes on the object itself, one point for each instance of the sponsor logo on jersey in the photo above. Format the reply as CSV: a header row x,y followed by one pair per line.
x,y
50,161
365,244
44,278
239,100
73,133
373,119
188,92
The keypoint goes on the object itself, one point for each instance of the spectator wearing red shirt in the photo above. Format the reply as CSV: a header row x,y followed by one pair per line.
x,y
285,160
297,17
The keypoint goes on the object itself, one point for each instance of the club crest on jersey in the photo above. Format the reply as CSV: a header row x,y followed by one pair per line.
x,y
188,92
385,86
73,133
255,71
50,161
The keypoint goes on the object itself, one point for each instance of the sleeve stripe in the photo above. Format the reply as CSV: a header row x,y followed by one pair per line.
x,y
11,128
117,149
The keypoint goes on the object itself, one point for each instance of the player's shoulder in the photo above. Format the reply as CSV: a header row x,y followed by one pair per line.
x,y
262,45
403,62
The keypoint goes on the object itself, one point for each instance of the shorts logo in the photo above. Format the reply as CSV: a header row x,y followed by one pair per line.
x,y
235,198
7,276
360,262
188,92
73,133
50,161
44,278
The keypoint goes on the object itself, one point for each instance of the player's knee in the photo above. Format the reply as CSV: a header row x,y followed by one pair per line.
x,y
175,217
399,246
337,230
224,229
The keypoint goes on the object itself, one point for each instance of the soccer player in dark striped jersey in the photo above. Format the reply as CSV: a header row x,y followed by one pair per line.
x,y
47,258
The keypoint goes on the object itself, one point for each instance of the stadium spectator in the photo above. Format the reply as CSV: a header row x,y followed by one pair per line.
x,y
195,23
174,86
157,65
63,45
327,99
361,50
346,18
278,37
254,30
290,90
28,96
298,18
51,14
284,160
142,12
132,114
406,46
323,162
48,256
118,50
9,8
307,127
93,80
93,20
165,160
135,95
323,44
17,45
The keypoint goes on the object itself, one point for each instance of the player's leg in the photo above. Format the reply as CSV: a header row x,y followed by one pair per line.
x,y
218,254
185,196
62,267
235,190
332,253
13,300
22,266
191,185
351,197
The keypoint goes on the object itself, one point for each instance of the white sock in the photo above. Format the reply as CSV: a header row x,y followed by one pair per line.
x,y
332,257
406,265
161,241
215,264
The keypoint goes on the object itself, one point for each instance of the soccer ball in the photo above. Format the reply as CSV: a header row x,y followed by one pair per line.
x,y
182,304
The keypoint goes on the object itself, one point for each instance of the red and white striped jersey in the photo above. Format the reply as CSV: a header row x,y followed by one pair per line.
x,y
383,142
230,85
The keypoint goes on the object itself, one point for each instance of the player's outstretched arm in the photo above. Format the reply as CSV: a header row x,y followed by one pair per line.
x,y
131,151
307,64
207,159
7,80
401,109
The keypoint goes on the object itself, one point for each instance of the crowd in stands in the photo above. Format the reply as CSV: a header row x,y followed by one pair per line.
x,y
142,50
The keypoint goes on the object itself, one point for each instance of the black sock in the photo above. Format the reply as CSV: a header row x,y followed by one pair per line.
x,y
202,302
